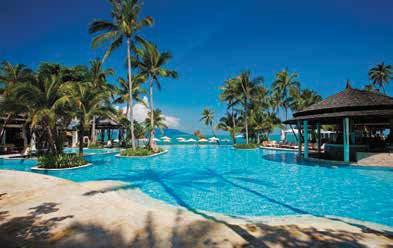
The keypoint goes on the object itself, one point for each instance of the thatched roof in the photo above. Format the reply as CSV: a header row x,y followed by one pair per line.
x,y
107,123
359,104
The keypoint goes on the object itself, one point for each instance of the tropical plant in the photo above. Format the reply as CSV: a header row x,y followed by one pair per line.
x,y
247,89
122,92
61,161
208,118
151,63
43,100
263,123
140,152
10,76
380,75
284,86
124,26
227,124
229,95
85,103
158,123
301,99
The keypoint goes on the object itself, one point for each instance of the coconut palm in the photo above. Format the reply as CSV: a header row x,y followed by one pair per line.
x,y
159,121
264,122
97,76
151,63
208,118
125,24
284,86
122,93
10,75
226,124
380,75
85,103
303,98
43,100
246,90
229,95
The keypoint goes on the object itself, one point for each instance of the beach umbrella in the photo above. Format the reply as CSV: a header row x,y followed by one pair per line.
x,y
239,136
165,138
180,138
214,139
155,139
202,140
191,140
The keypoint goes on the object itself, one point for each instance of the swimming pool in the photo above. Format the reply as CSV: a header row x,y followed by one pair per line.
x,y
245,183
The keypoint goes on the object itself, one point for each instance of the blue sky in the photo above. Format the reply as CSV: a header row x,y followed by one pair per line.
x,y
326,42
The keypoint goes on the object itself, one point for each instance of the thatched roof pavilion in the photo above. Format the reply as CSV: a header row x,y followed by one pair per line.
x,y
347,109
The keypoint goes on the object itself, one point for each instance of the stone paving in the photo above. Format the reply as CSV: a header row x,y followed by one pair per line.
x,y
43,211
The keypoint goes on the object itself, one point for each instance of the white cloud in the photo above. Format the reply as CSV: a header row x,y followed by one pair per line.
x,y
141,110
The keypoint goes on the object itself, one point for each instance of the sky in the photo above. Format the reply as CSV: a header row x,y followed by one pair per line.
x,y
326,42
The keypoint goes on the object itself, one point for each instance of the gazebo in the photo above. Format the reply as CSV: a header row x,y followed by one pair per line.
x,y
356,113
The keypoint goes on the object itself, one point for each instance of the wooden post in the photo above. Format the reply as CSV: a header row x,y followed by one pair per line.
x,y
305,128
346,140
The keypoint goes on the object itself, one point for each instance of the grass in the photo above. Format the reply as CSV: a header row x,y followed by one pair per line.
x,y
139,152
245,146
61,161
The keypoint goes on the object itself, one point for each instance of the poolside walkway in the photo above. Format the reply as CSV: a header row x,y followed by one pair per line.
x,y
43,211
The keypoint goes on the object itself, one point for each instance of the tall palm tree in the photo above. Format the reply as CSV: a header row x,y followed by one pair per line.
x,y
85,103
226,124
229,95
380,75
151,63
208,118
247,89
284,86
124,26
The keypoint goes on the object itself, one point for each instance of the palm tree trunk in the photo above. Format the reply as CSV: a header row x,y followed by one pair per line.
x,y
152,143
131,111
2,130
93,131
51,140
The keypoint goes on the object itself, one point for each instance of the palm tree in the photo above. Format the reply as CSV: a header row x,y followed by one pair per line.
x,y
380,75
137,91
229,95
85,103
208,118
43,100
226,124
10,75
125,24
247,89
284,87
265,123
151,63
97,76
303,98
159,121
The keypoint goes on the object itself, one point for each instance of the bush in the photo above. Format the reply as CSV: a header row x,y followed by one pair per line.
x,y
245,146
95,146
60,161
139,152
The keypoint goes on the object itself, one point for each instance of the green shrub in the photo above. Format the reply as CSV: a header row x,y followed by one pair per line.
x,y
245,146
60,161
95,146
139,152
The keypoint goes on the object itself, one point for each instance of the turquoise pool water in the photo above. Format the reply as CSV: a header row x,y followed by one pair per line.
x,y
245,183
